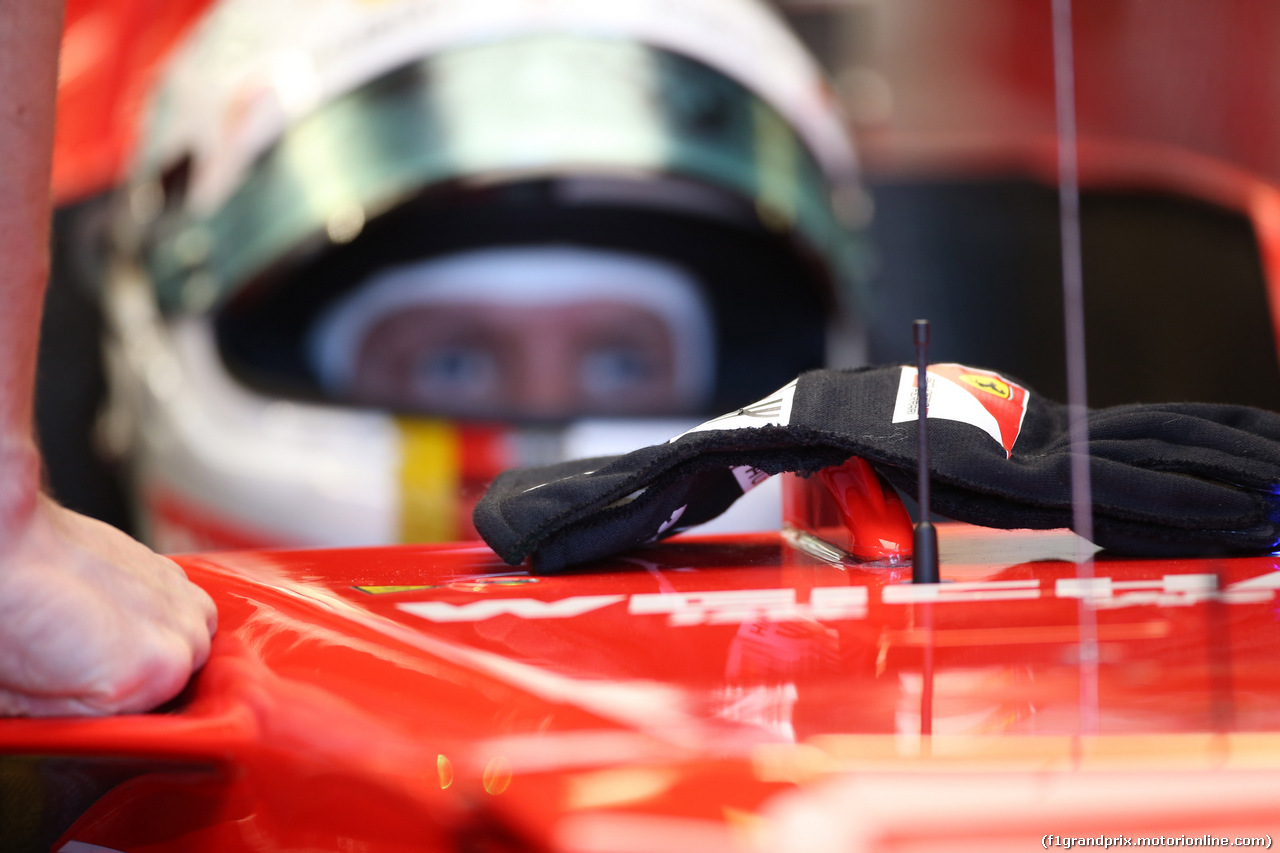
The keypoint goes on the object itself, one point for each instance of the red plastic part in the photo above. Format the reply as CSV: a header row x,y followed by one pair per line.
x,y
851,507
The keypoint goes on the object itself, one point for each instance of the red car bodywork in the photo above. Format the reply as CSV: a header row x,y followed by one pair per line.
x,y
745,693
705,694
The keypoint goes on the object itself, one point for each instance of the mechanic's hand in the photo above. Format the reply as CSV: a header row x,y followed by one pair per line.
x,y
92,622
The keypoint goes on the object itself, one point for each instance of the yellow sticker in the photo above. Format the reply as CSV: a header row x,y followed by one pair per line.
x,y
990,384
430,480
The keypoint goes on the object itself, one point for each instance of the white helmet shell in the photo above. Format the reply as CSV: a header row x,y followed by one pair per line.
x,y
252,69
221,463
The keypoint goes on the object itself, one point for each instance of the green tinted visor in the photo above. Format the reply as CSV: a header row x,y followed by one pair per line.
x,y
537,106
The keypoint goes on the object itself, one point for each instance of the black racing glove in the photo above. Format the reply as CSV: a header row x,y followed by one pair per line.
x,y
1179,479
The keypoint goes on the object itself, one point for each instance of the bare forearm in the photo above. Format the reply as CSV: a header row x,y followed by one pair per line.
x,y
139,627
29,35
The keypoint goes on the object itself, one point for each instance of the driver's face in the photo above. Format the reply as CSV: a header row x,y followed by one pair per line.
x,y
594,356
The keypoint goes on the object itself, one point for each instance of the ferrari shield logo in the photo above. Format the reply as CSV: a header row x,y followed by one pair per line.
x,y
977,397
990,384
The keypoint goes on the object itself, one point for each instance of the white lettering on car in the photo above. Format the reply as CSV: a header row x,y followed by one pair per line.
x,y
1012,590
1168,591
524,608
834,603
727,607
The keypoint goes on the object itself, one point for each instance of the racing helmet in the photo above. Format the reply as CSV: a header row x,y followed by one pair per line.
x,y
368,253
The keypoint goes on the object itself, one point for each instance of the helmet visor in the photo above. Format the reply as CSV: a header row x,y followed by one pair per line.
x,y
543,105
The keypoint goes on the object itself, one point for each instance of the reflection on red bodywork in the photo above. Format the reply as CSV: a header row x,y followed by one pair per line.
x,y
686,688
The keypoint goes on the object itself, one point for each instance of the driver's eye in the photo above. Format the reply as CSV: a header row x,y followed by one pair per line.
x,y
614,370
466,371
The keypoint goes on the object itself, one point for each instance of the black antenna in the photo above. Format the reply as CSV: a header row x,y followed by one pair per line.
x,y
924,548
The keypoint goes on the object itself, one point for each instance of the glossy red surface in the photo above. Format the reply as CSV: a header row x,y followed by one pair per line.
x,y
702,694
853,508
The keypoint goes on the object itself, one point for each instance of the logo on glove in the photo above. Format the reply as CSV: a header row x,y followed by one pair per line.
x,y
990,384
977,397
